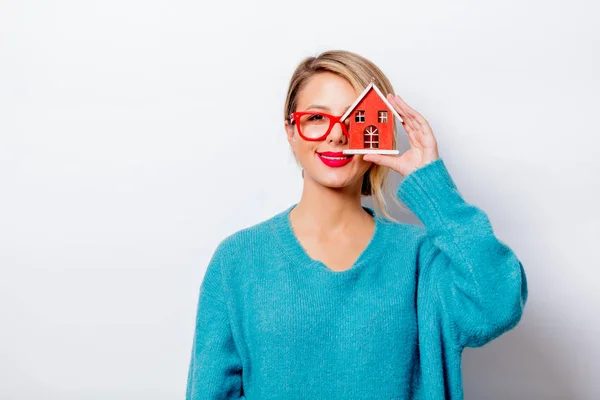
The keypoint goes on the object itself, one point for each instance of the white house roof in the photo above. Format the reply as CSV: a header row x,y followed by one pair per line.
x,y
363,94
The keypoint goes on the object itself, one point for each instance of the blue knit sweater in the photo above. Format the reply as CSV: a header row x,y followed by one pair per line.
x,y
272,323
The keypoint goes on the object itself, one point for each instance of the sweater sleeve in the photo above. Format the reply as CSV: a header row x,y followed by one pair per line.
x,y
480,283
215,370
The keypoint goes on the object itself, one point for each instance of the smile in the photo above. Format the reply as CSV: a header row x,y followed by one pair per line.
x,y
334,159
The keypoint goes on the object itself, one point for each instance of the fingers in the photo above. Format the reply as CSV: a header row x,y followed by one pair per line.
x,y
417,117
412,128
398,107
386,160
409,121
413,139
408,108
417,127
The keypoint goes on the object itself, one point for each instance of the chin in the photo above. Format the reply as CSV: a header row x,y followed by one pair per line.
x,y
332,177
335,179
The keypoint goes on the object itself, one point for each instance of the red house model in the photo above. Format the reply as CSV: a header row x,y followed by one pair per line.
x,y
371,124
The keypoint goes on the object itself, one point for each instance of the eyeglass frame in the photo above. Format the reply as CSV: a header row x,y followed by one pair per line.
x,y
333,119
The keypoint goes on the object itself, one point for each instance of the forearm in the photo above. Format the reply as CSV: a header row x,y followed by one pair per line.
x,y
481,283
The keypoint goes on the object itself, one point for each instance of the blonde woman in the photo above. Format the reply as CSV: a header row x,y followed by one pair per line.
x,y
329,299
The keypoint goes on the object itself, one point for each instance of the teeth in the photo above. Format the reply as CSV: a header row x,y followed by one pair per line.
x,y
334,158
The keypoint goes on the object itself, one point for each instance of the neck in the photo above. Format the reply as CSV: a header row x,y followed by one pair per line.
x,y
326,209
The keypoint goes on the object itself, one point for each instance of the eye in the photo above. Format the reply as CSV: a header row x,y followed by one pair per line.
x,y
315,117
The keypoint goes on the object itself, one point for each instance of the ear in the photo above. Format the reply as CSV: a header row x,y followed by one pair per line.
x,y
290,130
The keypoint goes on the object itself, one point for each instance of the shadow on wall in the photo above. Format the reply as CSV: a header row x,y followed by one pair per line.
x,y
523,363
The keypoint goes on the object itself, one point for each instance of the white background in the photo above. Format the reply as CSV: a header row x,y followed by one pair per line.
x,y
136,135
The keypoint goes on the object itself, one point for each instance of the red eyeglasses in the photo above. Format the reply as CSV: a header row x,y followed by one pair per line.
x,y
314,125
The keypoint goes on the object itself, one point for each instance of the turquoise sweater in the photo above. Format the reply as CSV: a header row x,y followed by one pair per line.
x,y
272,323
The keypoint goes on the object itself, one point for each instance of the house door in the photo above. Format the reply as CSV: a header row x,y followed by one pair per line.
x,y
371,137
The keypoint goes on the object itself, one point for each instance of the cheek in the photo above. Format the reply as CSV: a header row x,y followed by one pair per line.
x,y
304,148
303,151
359,162
363,165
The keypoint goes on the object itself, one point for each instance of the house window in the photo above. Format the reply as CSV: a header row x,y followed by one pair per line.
x,y
371,137
382,116
359,116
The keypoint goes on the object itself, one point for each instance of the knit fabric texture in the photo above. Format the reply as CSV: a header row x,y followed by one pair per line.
x,y
273,323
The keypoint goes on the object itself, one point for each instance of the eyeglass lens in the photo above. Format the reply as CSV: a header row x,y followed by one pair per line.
x,y
315,125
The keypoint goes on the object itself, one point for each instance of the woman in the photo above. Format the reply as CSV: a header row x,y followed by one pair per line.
x,y
327,299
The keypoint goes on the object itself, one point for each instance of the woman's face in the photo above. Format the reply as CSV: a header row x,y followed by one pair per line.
x,y
329,93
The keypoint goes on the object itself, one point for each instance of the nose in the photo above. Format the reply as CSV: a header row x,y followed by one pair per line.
x,y
337,135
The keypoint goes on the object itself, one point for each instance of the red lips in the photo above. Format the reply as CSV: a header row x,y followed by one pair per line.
x,y
332,162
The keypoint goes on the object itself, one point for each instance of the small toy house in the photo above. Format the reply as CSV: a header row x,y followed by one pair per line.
x,y
371,123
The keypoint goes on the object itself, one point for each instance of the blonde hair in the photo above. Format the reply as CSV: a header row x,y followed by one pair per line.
x,y
359,72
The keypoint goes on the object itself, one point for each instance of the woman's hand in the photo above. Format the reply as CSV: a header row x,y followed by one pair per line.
x,y
423,146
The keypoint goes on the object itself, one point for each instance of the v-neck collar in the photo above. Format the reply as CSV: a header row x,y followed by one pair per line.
x,y
282,229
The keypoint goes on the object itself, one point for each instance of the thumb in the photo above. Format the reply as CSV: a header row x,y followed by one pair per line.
x,y
386,160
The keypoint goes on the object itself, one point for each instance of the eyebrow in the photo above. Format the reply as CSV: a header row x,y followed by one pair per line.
x,y
321,107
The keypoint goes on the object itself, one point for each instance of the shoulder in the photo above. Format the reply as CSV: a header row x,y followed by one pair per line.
x,y
240,256
240,244
402,231
406,240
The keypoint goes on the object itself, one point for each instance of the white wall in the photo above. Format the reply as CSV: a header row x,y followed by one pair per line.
x,y
135,135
